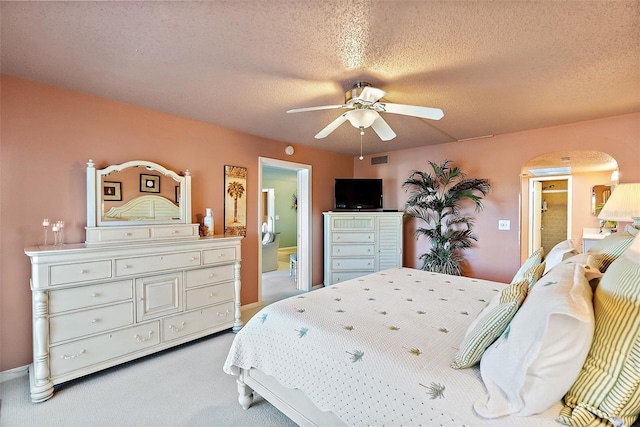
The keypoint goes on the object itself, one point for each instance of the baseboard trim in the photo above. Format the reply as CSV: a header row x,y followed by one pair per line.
x,y
250,306
12,374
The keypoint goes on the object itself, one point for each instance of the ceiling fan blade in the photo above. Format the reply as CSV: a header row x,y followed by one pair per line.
x,y
383,129
371,94
412,110
332,126
323,107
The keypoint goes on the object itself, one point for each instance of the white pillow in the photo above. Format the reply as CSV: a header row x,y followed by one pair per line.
x,y
267,238
558,253
590,262
537,359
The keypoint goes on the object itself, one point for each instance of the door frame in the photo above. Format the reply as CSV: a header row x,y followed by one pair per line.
x,y
304,219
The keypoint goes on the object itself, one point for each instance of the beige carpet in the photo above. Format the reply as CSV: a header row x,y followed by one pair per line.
x,y
279,284
184,386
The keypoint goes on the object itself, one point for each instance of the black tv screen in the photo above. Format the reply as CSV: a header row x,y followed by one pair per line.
x,y
358,193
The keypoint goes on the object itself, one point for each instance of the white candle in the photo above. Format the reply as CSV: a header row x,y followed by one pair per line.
x,y
45,223
54,228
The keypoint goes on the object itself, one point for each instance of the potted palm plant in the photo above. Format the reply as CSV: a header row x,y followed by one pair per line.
x,y
437,199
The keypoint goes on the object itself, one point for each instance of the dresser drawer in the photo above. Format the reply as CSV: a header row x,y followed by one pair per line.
x,y
366,264
217,256
107,234
353,250
80,354
87,322
196,321
205,276
341,276
346,237
79,272
208,295
353,222
147,264
89,296
176,231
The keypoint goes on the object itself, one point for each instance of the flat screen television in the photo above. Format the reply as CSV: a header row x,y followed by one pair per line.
x,y
358,193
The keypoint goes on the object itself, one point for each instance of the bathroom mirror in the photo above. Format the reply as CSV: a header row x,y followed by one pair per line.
x,y
138,200
599,196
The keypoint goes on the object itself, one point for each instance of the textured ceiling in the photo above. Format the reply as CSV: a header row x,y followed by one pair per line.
x,y
493,67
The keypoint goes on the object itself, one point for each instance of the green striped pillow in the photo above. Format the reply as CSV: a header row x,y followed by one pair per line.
x,y
533,261
491,323
608,387
612,246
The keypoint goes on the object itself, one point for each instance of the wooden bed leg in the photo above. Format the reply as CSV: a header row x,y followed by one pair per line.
x,y
245,394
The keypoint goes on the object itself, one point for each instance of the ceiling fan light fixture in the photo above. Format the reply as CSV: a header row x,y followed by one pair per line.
x,y
362,118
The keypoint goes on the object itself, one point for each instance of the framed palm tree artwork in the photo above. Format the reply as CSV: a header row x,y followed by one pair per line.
x,y
235,201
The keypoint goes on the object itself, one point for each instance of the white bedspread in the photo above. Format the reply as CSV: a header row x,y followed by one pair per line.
x,y
376,350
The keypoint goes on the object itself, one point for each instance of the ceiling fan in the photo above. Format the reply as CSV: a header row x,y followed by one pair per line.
x,y
364,105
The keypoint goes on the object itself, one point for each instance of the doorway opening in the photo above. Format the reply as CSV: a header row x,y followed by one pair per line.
x,y
549,212
285,212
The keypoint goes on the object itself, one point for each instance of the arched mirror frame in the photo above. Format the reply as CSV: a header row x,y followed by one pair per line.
x,y
100,230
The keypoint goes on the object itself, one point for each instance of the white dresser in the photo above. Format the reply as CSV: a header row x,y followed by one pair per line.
x,y
359,243
99,306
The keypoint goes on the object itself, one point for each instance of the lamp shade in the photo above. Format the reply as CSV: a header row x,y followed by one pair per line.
x,y
623,205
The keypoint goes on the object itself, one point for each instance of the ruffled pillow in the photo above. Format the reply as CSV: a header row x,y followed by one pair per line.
x,y
559,253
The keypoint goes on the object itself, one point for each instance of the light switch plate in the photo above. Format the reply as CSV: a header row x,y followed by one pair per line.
x,y
504,224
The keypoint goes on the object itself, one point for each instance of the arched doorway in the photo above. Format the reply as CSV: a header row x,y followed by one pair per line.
x,y
556,176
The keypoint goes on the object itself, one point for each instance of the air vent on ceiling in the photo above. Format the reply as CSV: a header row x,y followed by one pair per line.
x,y
379,160
551,171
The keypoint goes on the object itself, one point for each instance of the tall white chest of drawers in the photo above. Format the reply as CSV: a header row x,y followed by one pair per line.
x,y
359,243
98,306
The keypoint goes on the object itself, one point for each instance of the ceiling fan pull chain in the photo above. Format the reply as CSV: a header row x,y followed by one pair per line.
x,y
361,133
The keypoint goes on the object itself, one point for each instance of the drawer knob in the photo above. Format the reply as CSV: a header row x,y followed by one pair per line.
x,y
127,234
95,294
143,339
211,295
95,320
193,258
211,276
175,231
73,356
226,313
220,255
177,328
83,271
124,267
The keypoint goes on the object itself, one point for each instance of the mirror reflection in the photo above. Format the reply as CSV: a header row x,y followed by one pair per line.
x,y
139,193
599,196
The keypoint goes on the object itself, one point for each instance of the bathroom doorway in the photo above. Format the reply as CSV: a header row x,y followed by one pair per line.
x,y
285,209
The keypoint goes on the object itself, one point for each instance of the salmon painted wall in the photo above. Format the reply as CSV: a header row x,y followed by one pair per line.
x,y
47,135
497,254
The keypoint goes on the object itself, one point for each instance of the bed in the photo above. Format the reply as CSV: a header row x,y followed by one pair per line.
x,y
381,349
144,208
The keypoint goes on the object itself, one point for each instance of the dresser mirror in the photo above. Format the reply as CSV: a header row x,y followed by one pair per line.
x,y
137,201
599,196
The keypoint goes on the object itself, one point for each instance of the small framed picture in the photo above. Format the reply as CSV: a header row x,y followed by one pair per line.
x,y
149,183
177,194
112,190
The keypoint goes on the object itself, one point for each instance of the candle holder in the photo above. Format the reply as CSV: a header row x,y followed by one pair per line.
x,y
60,225
45,226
